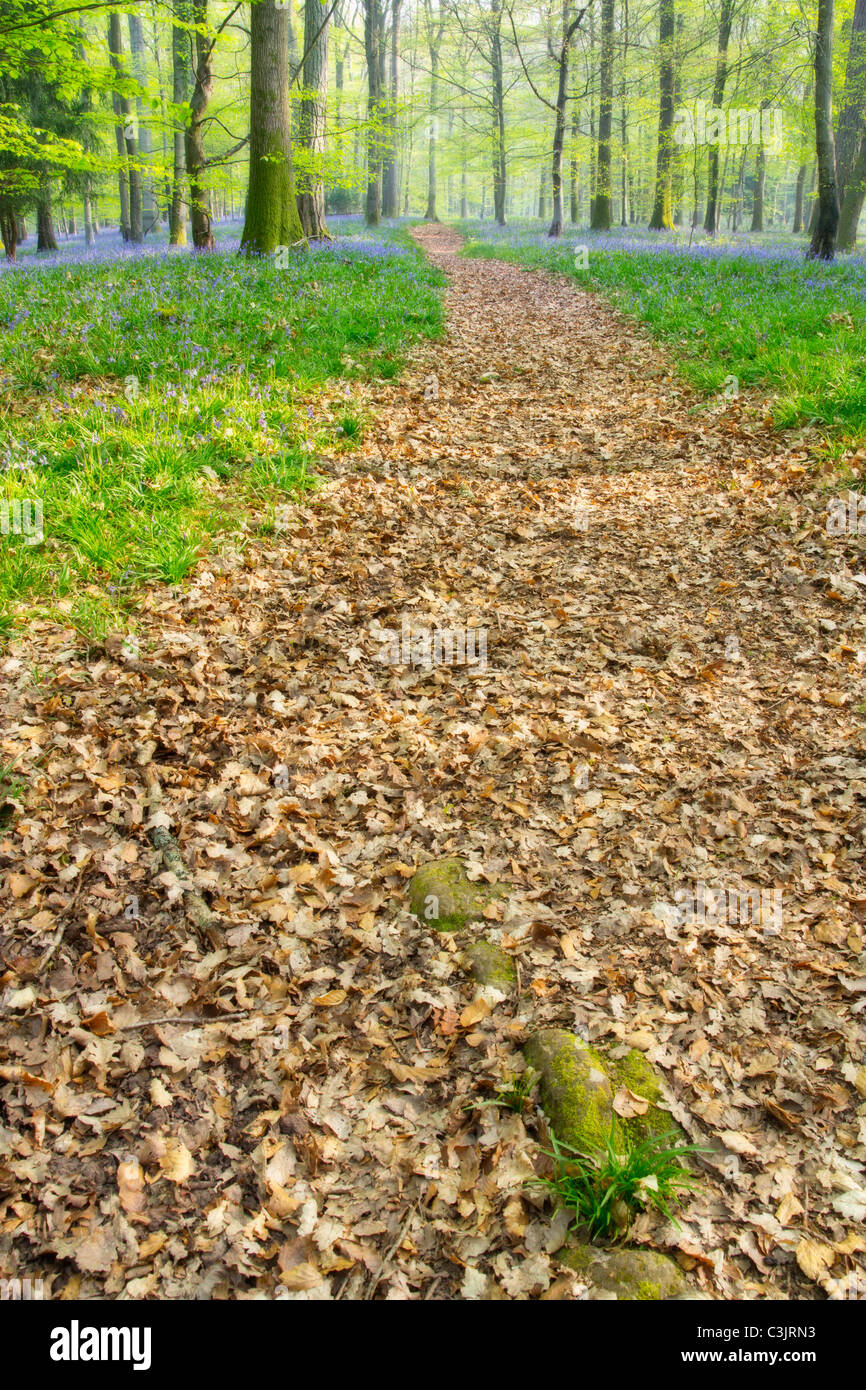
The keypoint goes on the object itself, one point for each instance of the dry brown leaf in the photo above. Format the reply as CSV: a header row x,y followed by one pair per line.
x,y
815,1258
177,1161
627,1104
130,1184
474,1013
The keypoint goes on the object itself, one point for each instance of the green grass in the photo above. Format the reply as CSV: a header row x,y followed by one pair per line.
x,y
753,310
153,403
605,1188
513,1094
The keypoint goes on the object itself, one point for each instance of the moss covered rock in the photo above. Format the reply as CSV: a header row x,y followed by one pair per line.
x,y
491,966
631,1275
575,1088
578,1086
442,895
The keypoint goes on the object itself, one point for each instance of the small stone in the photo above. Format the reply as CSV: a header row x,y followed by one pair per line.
x,y
491,966
442,895
578,1086
628,1275
575,1092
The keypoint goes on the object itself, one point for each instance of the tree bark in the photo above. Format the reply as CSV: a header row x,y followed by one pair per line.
x,y
130,140
758,193
852,203
196,162
625,173
89,228
662,213
711,220
823,243
799,192
601,212
372,44
853,106
311,121
120,142
434,43
272,219
574,167
390,168
9,232
499,164
181,72
150,212
46,239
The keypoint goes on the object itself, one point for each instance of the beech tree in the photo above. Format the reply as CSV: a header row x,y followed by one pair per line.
x,y
823,243
272,218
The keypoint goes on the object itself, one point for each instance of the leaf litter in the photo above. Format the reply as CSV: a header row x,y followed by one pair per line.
x,y
283,1098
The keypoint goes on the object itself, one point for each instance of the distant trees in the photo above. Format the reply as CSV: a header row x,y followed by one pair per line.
x,y
439,107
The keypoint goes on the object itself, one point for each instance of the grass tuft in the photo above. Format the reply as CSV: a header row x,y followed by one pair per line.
x,y
605,1188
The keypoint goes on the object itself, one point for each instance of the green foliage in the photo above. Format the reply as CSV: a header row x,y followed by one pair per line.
x,y
514,1093
605,1188
760,314
145,432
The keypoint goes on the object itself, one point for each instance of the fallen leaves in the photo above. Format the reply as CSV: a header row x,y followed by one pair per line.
x,y
324,1063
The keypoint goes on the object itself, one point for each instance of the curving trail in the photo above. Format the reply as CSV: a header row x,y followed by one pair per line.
x,y
672,695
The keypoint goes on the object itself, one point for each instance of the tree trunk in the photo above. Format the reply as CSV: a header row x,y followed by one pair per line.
x,y
311,120
181,72
625,200
758,194
46,239
852,203
823,243
89,228
799,191
272,219
127,142
122,171
390,169
372,40
9,232
434,41
662,214
853,105
711,220
601,212
196,163
150,212
574,168
499,165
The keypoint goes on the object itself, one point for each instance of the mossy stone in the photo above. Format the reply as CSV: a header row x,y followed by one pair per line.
x,y
632,1275
635,1072
490,965
575,1088
578,1086
442,896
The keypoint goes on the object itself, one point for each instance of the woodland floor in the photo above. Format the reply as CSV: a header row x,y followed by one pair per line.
x,y
299,1098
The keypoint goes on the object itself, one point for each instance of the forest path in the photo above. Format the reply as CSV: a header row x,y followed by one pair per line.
x,y
670,697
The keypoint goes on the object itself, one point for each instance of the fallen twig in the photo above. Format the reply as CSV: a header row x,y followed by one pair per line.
x,y
199,914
